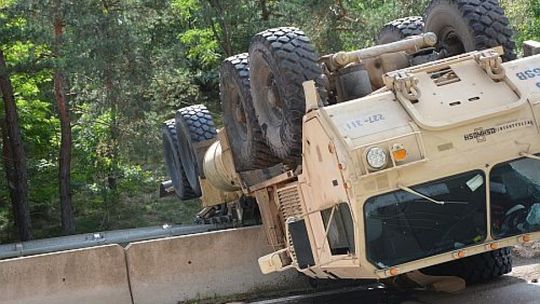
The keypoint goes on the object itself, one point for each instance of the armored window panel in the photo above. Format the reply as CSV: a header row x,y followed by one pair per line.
x,y
340,230
402,226
515,197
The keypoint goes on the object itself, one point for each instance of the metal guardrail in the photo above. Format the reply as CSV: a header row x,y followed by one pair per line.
x,y
121,237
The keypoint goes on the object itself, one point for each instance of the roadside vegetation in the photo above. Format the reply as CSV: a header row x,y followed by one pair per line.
x,y
86,85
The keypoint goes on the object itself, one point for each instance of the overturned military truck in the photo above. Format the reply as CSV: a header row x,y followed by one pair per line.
x,y
418,157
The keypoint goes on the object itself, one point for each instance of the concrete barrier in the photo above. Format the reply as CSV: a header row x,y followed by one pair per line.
x,y
207,265
95,275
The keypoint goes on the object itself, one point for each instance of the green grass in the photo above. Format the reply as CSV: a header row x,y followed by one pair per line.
x,y
92,215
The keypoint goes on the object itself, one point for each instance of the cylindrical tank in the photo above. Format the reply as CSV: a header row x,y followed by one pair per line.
x,y
219,169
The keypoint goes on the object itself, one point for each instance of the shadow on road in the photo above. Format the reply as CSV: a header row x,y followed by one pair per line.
x,y
506,289
365,293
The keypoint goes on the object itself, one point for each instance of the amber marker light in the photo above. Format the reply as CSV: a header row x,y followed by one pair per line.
x,y
526,238
493,246
394,271
459,255
398,152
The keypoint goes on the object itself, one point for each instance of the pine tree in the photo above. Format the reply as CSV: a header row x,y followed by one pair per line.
x,y
14,156
64,167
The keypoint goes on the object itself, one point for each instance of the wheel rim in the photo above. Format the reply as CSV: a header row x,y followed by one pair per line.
x,y
188,158
273,107
238,113
172,164
450,42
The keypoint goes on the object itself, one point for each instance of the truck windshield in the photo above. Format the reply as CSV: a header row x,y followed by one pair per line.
x,y
402,226
515,197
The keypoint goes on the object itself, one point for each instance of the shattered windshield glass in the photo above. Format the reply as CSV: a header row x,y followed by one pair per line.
x,y
515,197
402,226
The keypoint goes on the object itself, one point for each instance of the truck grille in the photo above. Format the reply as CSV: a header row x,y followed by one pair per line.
x,y
290,206
289,202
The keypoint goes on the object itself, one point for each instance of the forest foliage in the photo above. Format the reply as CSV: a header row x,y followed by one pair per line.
x,y
127,66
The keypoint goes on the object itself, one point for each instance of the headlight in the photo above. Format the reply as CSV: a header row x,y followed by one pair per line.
x,y
377,158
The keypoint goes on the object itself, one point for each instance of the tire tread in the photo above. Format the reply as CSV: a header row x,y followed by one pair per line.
x,y
490,27
258,156
297,60
401,28
184,190
477,268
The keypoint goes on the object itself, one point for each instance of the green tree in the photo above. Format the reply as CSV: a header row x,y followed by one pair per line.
x,y
525,18
64,166
14,155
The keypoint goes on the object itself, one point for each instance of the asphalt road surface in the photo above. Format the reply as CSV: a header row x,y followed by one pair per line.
x,y
519,287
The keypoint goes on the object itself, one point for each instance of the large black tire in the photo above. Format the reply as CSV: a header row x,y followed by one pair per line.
x,y
193,124
181,186
280,60
477,268
247,142
467,25
400,29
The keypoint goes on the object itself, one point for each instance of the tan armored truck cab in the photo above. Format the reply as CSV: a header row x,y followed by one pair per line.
x,y
422,153
407,183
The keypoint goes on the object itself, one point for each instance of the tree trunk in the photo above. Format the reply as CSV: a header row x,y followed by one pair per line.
x,y
111,93
15,158
265,12
225,40
112,179
64,173
112,97
8,167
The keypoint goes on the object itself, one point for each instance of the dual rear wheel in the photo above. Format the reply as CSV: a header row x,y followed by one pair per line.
x,y
182,188
250,150
263,100
192,125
